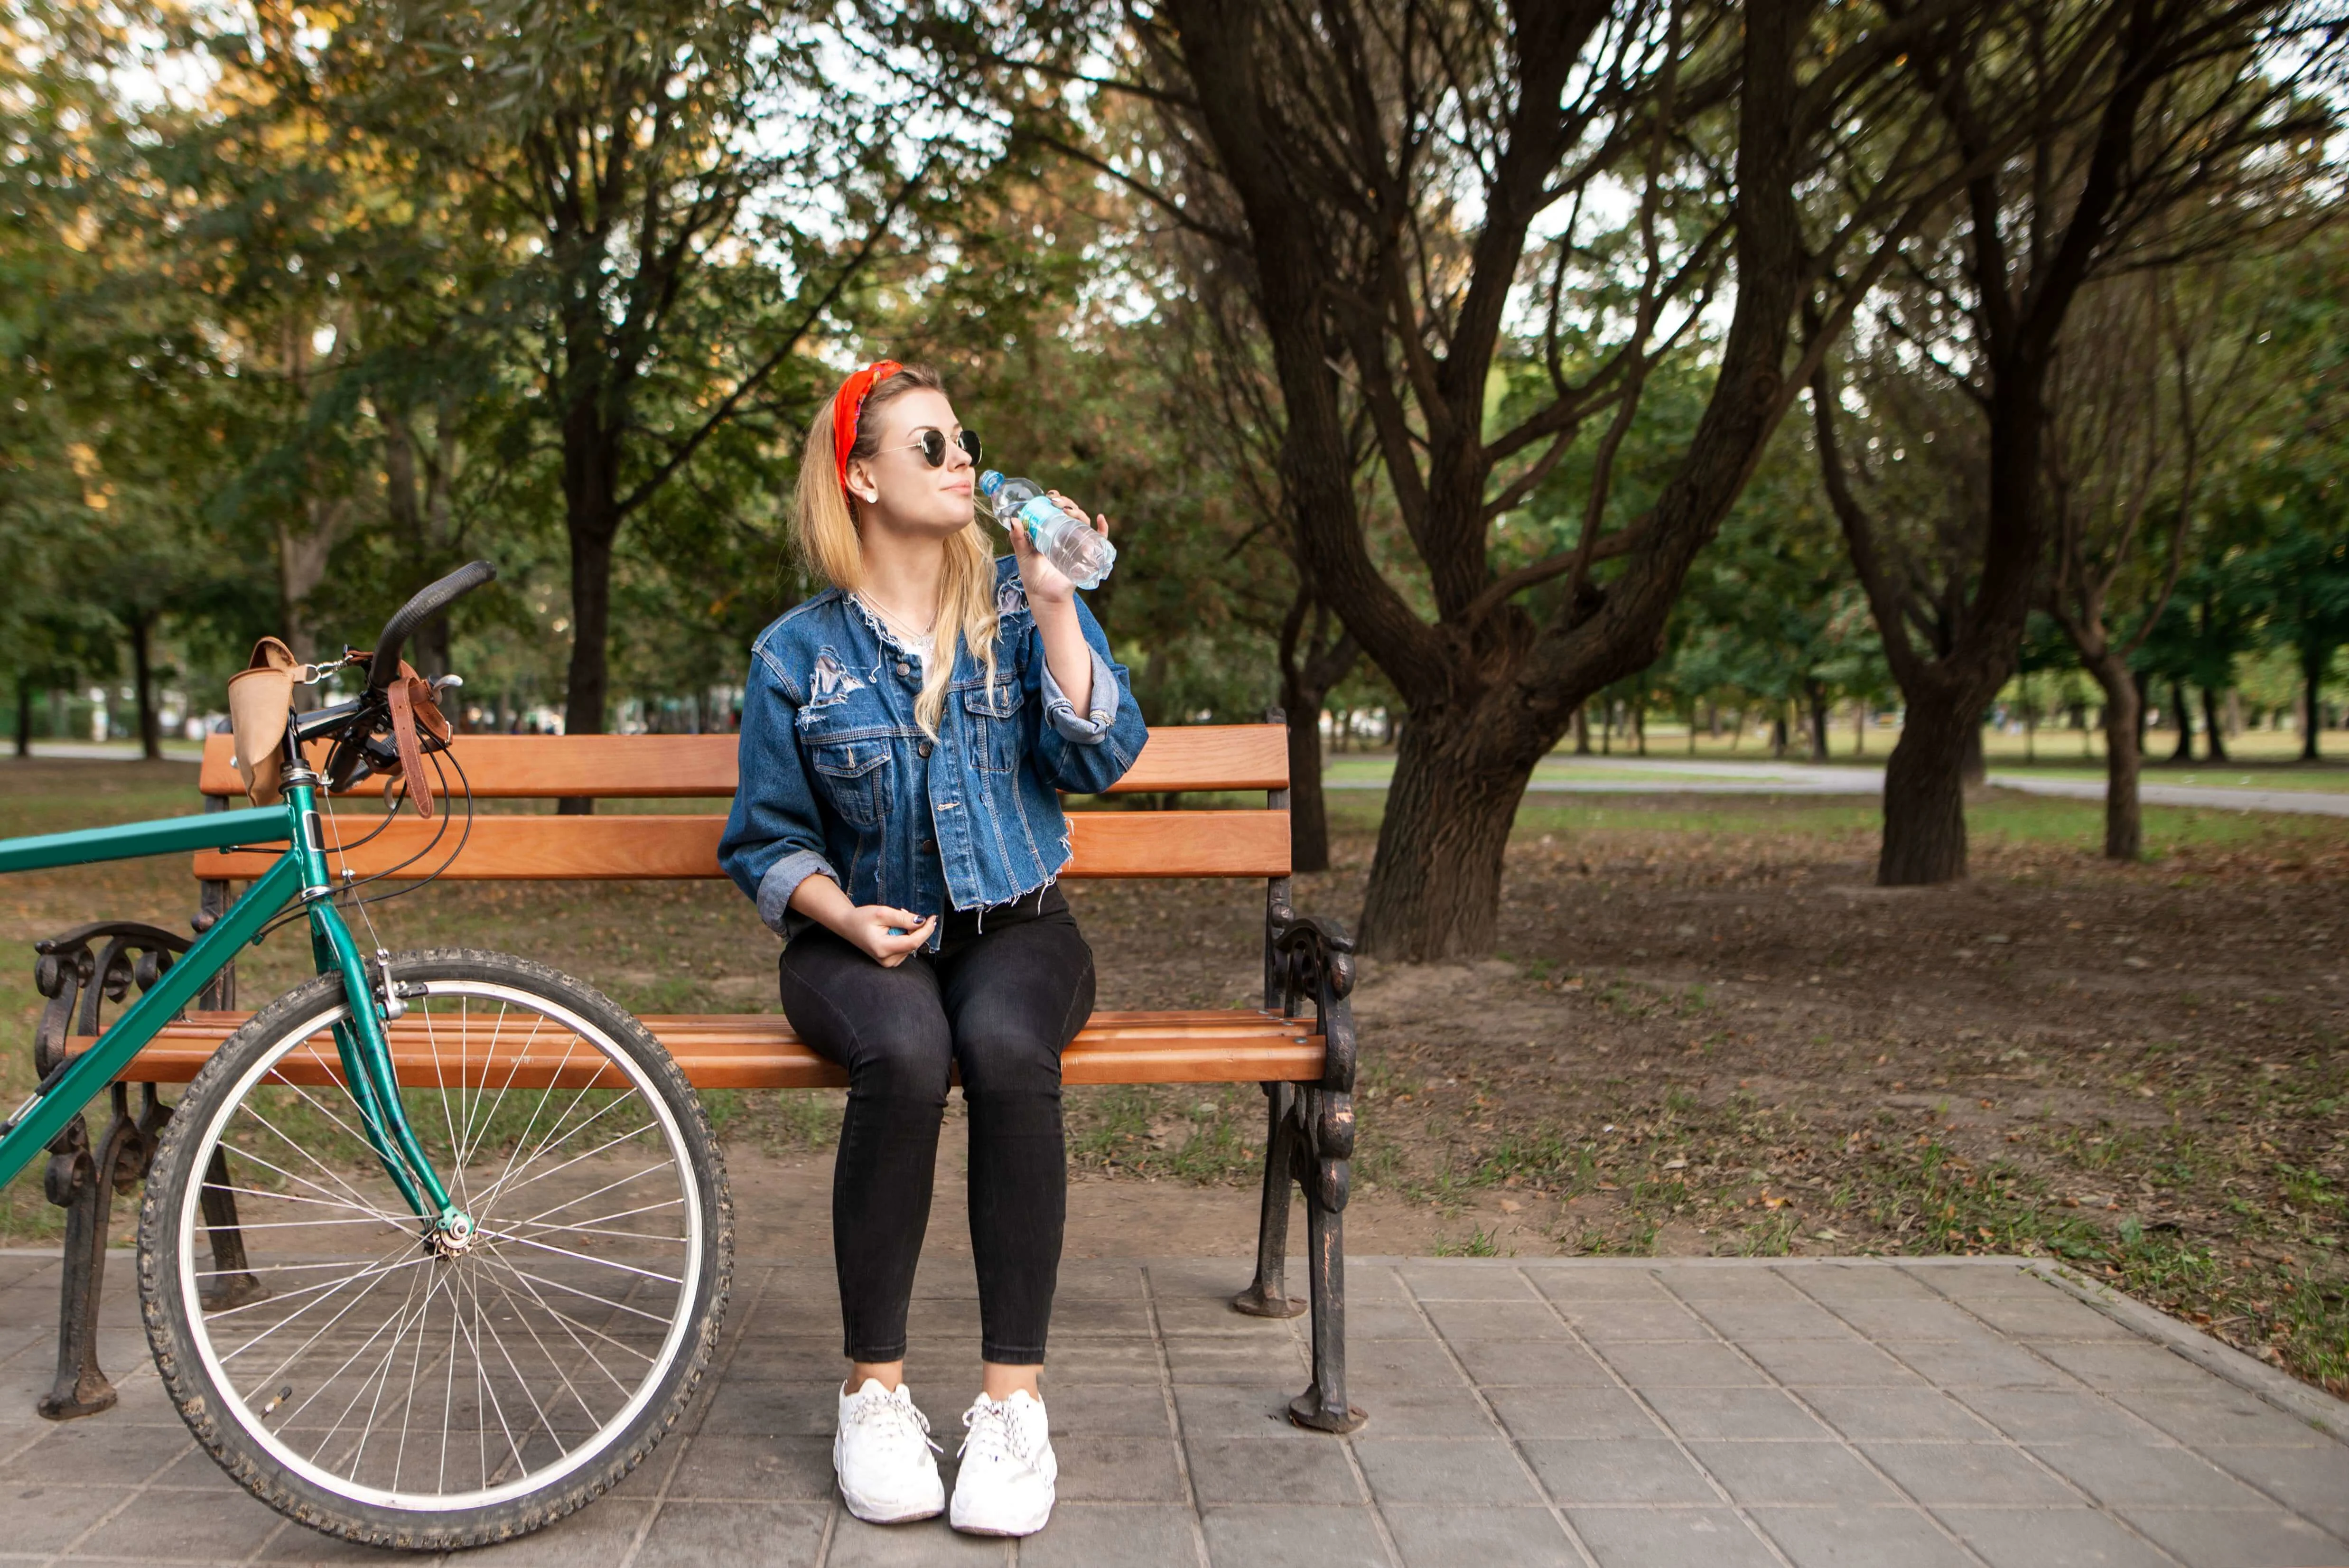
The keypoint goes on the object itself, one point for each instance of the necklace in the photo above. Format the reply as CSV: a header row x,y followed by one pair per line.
x,y
902,630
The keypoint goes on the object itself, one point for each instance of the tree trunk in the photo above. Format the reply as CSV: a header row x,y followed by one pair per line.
x,y
1818,694
24,717
1779,732
1972,768
1309,667
2312,676
2124,812
1924,794
1582,731
1435,884
2185,750
142,666
1309,812
1859,730
2214,735
590,618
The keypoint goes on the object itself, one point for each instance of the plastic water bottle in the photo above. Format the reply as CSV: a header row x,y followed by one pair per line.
x,y
1083,555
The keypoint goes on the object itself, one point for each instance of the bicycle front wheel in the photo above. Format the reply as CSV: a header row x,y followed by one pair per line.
x,y
371,1381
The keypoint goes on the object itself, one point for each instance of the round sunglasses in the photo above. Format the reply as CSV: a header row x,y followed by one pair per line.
x,y
933,446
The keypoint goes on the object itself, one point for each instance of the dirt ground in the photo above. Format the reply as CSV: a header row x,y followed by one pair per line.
x,y
1705,1031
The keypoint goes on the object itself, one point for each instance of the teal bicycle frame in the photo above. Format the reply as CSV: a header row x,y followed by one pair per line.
x,y
300,873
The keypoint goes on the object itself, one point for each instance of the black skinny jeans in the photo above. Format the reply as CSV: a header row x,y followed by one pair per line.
x,y
999,1004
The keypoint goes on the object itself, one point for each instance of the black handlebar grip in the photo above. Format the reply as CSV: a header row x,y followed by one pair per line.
x,y
430,601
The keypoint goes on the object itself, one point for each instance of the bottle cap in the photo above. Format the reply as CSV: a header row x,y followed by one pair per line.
x,y
990,482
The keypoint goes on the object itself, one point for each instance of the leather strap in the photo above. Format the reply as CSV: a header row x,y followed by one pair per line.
x,y
403,736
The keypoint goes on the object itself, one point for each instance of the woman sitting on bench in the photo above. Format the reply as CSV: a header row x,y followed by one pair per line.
x,y
903,734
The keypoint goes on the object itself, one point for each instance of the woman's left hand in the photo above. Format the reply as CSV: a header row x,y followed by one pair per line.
x,y
1045,582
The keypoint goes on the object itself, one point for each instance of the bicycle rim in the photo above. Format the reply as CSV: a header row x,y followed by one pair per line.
x,y
397,1377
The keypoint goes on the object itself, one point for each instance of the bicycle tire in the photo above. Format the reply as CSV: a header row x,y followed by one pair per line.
x,y
217,1113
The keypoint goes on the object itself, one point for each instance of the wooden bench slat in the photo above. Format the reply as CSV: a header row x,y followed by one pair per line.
x,y
759,1051
539,848
540,767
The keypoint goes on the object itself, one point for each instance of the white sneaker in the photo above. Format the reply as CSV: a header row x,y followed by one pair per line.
x,y
1008,1468
882,1454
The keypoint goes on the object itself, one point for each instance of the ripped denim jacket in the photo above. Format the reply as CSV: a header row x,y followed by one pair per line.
x,y
837,778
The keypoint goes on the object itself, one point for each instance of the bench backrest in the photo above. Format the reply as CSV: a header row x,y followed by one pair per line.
x,y
1242,841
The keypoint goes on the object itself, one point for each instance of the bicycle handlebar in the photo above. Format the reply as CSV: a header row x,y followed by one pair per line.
x,y
430,601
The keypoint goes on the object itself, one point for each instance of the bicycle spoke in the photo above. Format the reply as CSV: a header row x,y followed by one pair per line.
x,y
386,1360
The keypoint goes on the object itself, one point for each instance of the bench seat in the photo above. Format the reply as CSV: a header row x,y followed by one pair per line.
x,y
759,1051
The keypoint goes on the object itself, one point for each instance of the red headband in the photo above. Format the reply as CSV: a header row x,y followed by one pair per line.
x,y
848,404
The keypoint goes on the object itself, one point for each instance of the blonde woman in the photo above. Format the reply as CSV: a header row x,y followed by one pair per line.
x,y
904,734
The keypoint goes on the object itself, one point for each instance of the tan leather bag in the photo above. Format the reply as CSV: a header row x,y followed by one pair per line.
x,y
260,700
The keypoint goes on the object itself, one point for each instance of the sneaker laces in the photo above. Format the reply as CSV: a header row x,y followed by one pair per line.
x,y
892,1409
993,1424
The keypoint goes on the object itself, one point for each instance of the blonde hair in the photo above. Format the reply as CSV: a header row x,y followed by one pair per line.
x,y
830,542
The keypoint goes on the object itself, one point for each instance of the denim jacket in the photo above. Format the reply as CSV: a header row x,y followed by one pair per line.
x,y
837,778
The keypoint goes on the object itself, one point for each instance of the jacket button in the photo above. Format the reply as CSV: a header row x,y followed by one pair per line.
x,y
921,748
928,846
903,668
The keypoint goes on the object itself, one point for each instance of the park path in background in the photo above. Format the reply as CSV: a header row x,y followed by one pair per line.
x,y
1657,776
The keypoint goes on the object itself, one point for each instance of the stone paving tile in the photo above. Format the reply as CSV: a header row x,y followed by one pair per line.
x,y
1278,1536
1499,1319
2314,1482
1662,1412
784,1534
1540,1364
2117,1475
1719,1282
2133,1366
1085,1535
1572,1413
1900,1414
1267,1469
1617,1470
1956,1474
856,1544
1734,1414
2053,1538
1892,1537
2266,1538
2057,1414
1567,1286
1742,1320
1613,1323
1829,1364
1446,1536
1794,1473
1669,1538
1981,1363
1460,1471
2217,1416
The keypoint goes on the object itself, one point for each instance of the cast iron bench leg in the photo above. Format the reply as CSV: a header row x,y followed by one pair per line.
x,y
72,1182
1266,1295
1323,1406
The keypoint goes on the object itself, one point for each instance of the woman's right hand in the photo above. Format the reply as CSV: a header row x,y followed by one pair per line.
x,y
864,926
869,928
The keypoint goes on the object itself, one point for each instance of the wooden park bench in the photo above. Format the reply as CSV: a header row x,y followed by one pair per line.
x,y
1306,1063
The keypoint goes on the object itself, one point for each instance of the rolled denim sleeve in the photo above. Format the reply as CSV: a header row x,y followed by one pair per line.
x,y
774,838
1062,713
1083,755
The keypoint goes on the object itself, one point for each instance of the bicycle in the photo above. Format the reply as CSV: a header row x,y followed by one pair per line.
x,y
470,1235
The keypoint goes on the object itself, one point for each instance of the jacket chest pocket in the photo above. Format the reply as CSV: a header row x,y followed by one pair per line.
x,y
992,715
854,776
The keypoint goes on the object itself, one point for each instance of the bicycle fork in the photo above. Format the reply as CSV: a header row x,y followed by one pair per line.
x,y
361,1041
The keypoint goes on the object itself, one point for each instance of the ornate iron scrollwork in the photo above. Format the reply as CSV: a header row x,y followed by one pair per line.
x,y
80,972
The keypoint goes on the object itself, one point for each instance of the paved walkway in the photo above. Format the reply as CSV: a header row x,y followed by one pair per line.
x,y
1583,1411
1663,775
